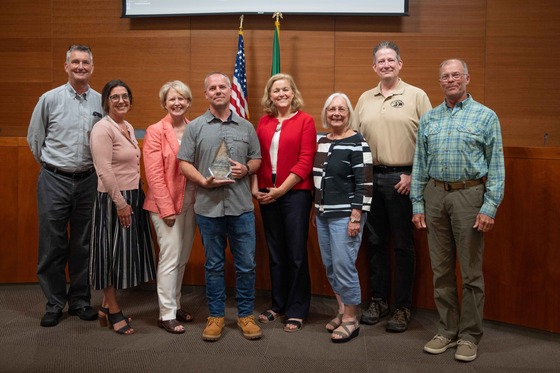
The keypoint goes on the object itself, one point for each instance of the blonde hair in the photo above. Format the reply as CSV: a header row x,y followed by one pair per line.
x,y
269,107
178,86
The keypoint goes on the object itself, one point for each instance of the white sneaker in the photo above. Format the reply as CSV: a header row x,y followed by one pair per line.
x,y
439,344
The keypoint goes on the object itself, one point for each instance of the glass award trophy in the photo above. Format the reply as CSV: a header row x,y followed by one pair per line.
x,y
221,168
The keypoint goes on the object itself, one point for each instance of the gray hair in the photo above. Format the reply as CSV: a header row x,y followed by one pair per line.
x,y
327,104
387,45
447,62
79,48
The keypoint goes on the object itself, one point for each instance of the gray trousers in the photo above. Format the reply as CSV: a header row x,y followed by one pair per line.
x,y
450,216
65,207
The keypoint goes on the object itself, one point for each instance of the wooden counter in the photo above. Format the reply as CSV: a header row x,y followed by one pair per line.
x,y
521,262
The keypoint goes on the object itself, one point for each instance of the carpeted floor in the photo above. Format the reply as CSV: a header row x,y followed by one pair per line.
x,y
82,346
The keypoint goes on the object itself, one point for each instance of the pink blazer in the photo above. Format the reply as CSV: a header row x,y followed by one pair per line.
x,y
166,183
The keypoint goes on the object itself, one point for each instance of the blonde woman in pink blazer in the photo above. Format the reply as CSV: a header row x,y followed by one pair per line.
x,y
170,201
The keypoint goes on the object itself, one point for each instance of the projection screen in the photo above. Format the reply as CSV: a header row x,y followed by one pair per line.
x,y
161,8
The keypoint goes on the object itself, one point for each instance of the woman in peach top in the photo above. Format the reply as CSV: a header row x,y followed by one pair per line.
x,y
170,201
122,254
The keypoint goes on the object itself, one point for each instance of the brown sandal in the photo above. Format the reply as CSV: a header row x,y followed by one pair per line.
x,y
170,325
334,323
183,316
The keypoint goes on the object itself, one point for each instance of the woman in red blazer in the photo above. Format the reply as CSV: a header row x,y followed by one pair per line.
x,y
282,186
170,200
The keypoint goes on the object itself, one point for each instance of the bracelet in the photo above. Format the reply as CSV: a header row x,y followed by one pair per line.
x,y
248,169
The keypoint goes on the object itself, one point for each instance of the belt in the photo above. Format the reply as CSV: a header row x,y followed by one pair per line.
x,y
457,184
71,175
388,169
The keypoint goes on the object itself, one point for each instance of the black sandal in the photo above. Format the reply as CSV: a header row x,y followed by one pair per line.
x,y
115,318
297,324
170,325
268,316
102,316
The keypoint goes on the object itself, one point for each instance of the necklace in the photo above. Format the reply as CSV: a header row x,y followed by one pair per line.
x,y
338,137
124,132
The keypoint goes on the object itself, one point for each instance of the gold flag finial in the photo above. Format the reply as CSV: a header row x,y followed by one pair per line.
x,y
277,15
241,22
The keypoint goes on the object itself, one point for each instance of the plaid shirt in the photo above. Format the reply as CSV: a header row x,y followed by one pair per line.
x,y
457,144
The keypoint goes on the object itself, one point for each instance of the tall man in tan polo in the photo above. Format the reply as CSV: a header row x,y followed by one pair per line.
x,y
388,117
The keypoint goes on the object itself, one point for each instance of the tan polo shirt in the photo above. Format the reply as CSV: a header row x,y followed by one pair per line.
x,y
390,124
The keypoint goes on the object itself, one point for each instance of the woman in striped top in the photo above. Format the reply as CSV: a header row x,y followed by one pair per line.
x,y
122,254
343,178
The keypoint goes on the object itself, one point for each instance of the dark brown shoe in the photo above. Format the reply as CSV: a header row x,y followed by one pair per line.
x,y
170,326
183,316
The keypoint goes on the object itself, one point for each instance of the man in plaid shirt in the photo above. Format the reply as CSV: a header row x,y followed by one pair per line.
x,y
457,185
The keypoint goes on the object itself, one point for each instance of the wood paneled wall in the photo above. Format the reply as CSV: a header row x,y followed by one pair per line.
x,y
511,46
521,261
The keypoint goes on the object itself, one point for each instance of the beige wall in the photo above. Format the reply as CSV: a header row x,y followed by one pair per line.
x,y
511,47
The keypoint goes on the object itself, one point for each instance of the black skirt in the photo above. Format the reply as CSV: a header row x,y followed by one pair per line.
x,y
121,257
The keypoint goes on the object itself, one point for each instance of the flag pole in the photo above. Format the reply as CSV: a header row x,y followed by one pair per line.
x,y
276,44
238,100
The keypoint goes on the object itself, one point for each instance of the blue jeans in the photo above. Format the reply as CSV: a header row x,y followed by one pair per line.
x,y
391,213
339,252
240,232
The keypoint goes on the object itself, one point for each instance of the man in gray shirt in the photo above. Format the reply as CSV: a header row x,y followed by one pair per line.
x,y
224,207
58,136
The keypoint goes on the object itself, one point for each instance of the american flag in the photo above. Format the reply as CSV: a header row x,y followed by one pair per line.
x,y
238,101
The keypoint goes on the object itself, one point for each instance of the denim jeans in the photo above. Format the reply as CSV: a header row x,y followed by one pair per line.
x,y
240,232
339,253
391,213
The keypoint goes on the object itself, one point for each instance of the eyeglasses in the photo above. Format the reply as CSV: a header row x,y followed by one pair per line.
x,y
117,98
340,109
454,76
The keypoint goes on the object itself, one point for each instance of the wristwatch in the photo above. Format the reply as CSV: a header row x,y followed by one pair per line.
x,y
248,169
352,220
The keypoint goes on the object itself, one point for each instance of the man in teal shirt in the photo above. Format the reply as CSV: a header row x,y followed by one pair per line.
x,y
457,185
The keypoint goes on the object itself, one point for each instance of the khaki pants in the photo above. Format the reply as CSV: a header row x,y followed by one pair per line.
x,y
450,217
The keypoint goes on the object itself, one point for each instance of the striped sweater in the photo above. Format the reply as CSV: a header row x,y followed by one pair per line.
x,y
343,176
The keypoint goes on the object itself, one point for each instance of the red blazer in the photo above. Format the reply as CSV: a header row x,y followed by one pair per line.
x,y
296,150
166,183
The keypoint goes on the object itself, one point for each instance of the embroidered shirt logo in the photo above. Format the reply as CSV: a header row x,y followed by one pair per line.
x,y
397,104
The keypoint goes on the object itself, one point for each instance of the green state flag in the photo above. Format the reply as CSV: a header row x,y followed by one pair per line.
x,y
276,49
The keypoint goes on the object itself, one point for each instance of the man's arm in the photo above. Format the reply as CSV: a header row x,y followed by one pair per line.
x,y
37,130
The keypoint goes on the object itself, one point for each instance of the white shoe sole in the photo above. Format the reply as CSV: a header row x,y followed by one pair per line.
x,y
436,351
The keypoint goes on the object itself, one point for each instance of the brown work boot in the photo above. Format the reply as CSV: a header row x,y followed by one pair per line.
x,y
213,330
249,328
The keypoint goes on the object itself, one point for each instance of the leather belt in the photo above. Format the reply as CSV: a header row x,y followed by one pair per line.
x,y
71,175
388,169
457,185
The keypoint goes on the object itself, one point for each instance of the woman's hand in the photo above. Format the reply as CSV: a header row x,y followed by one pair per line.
x,y
353,228
170,220
124,215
